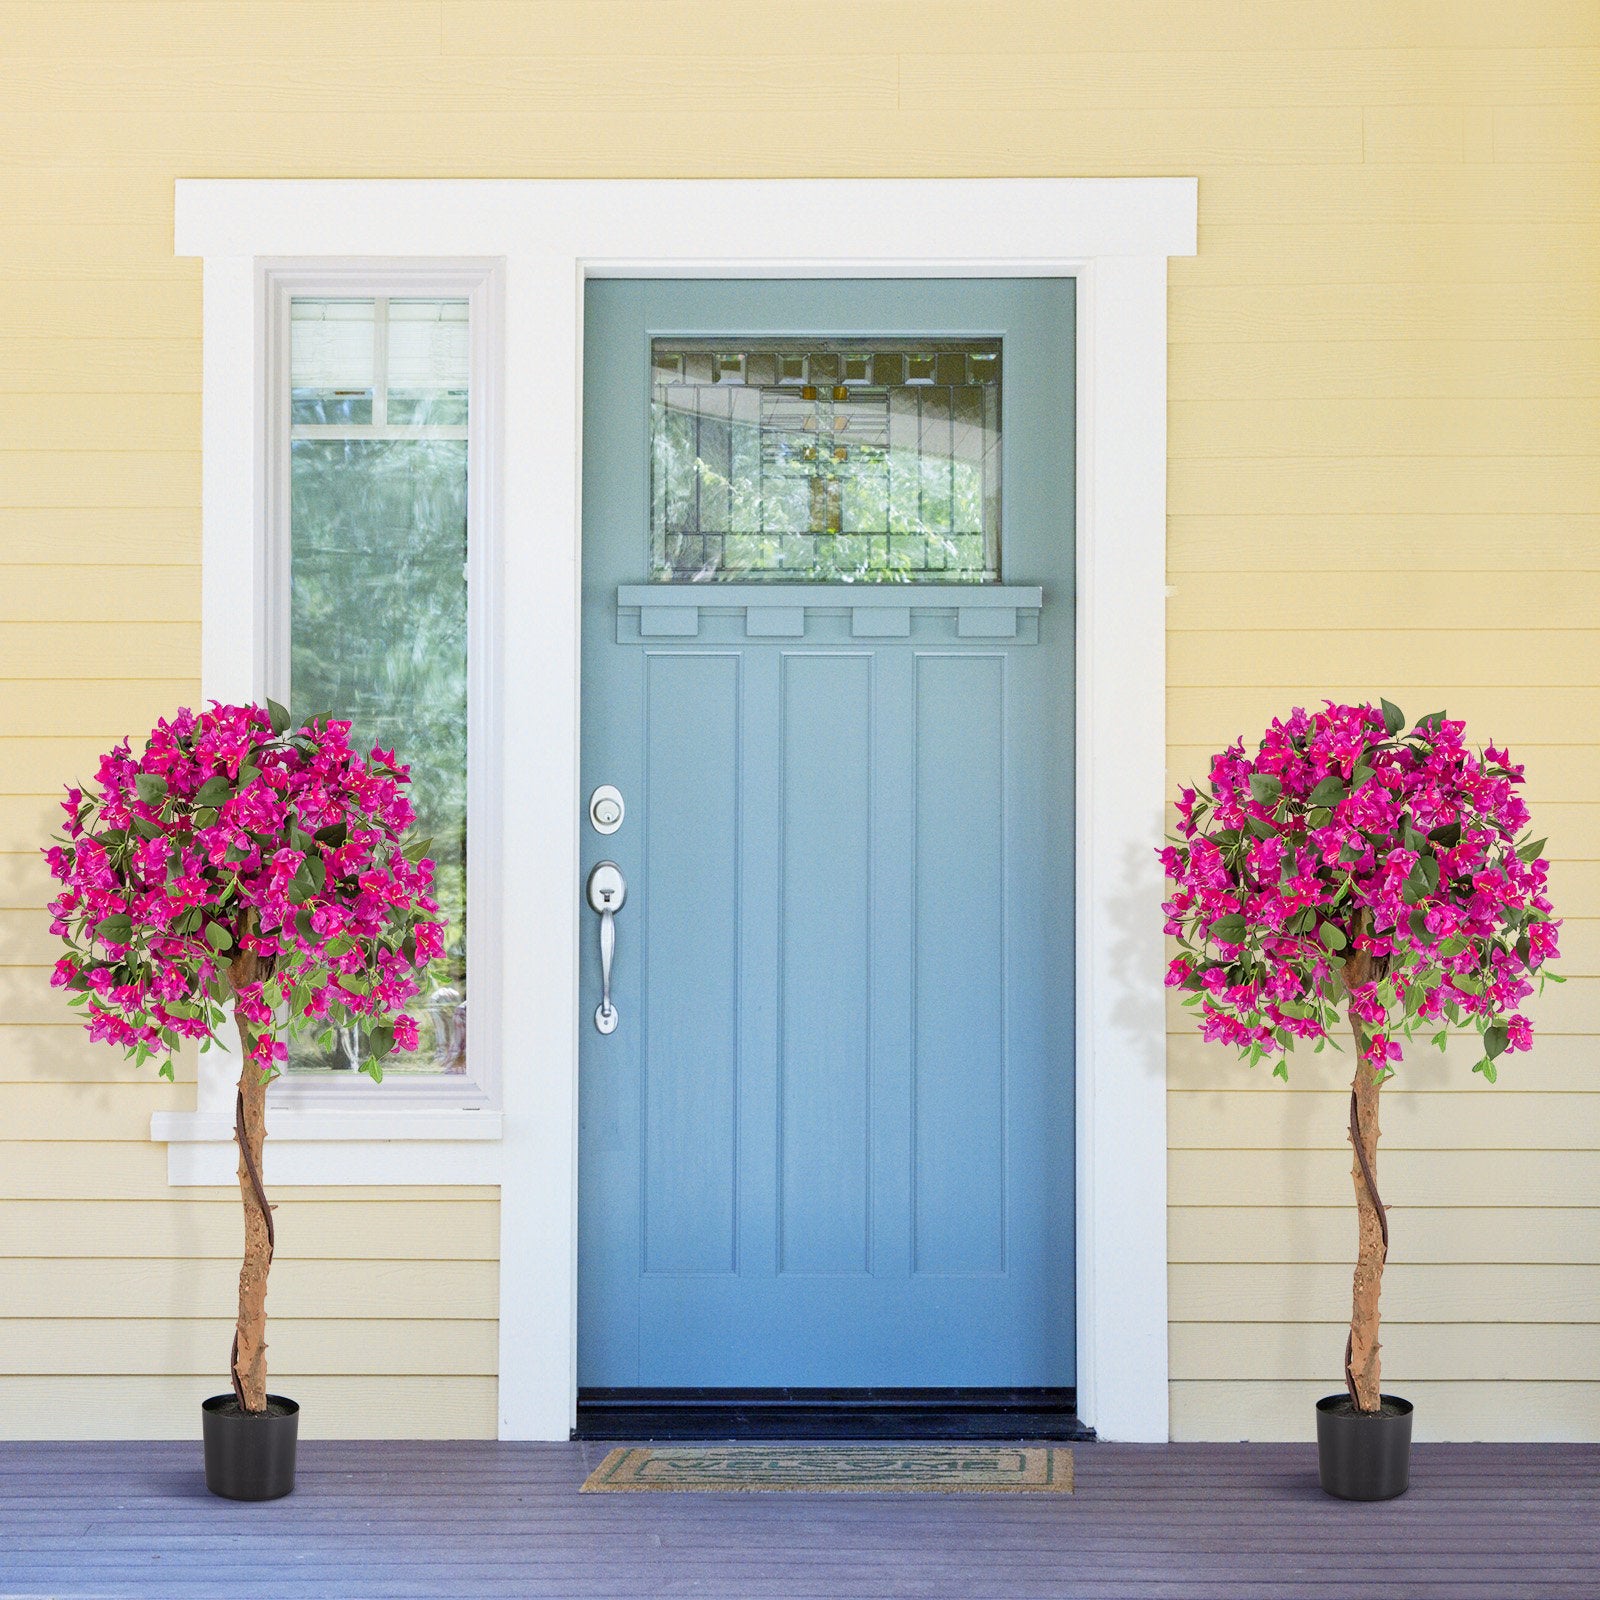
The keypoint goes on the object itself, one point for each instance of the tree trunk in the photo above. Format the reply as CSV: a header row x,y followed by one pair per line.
x,y
1361,1365
249,1360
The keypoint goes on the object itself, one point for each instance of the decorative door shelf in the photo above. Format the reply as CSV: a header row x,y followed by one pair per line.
x,y
825,613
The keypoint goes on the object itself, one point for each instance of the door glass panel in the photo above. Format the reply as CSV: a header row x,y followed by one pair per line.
x,y
378,445
825,460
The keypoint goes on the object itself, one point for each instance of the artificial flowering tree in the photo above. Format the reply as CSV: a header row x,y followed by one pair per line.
x,y
238,858
1359,870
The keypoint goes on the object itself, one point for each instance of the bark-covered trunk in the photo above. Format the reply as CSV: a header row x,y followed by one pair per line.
x,y
1361,1365
249,1360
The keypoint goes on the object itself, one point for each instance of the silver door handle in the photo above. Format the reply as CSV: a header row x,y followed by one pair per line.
x,y
606,891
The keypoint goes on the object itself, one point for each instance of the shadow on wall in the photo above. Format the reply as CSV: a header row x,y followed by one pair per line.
x,y
1140,1016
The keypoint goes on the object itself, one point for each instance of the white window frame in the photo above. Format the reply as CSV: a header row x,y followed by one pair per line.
x,y
1114,237
479,1088
327,1128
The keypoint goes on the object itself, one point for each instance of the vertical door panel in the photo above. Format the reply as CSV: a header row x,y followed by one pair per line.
x,y
825,963
690,945
958,1082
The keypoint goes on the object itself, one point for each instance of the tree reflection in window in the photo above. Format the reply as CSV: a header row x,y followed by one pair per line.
x,y
378,589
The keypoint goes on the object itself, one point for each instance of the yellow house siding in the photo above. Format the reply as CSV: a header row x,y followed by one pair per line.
x,y
1385,391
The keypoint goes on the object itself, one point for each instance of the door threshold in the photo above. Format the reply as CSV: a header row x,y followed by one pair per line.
x,y
685,1415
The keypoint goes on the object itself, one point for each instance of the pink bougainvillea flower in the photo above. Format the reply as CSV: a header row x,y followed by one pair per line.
x,y
232,835
1351,832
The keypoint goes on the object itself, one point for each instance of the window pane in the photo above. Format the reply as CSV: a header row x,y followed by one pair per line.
x,y
332,360
378,613
818,460
428,358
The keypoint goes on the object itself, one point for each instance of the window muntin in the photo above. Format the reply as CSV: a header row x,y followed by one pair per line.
x,y
378,599
825,460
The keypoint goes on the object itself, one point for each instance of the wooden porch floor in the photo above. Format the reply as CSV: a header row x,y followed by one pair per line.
x,y
1178,1522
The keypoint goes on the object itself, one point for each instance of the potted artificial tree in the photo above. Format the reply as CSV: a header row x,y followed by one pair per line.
x,y
240,859
1357,873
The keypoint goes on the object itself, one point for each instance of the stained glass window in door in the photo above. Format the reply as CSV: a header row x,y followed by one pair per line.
x,y
825,460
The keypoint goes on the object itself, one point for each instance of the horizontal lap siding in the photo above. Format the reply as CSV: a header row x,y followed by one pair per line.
x,y
1385,399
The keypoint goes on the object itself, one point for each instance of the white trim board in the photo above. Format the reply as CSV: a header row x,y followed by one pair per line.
x,y
1114,236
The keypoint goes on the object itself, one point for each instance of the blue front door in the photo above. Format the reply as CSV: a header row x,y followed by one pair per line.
x,y
828,666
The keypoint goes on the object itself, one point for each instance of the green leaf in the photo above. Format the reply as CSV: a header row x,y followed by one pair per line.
x,y
189,922
1495,1040
1531,852
1430,723
1361,774
333,836
1260,827
1426,874
146,829
212,792
115,929
152,787
1447,837
1228,930
1332,937
418,848
1327,793
1487,1068
218,937
248,775
1394,719
1419,926
1265,788
381,1039
280,718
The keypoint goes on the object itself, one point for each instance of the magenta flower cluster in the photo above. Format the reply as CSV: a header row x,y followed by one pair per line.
x,y
1348,832
234,835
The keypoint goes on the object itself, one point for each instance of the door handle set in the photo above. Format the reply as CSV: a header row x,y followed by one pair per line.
x,y
606,891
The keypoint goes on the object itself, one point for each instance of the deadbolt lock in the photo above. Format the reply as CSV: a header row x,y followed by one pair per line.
x,y
606,809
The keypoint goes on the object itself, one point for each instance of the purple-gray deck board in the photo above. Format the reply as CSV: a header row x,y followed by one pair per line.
x,y
424,1521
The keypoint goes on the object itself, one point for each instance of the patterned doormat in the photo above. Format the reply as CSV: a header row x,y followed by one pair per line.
x,y
835,1469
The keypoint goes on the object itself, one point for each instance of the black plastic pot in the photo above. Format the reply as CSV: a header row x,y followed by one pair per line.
x,y
249,1456
1361,1456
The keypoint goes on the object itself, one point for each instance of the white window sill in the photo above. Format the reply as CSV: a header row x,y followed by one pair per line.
x,y
336,1147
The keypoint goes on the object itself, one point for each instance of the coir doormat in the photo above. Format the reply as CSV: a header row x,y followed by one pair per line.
x,y
835,1469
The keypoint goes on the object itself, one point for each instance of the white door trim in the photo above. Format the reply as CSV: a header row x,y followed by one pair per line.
x,y
1113,235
